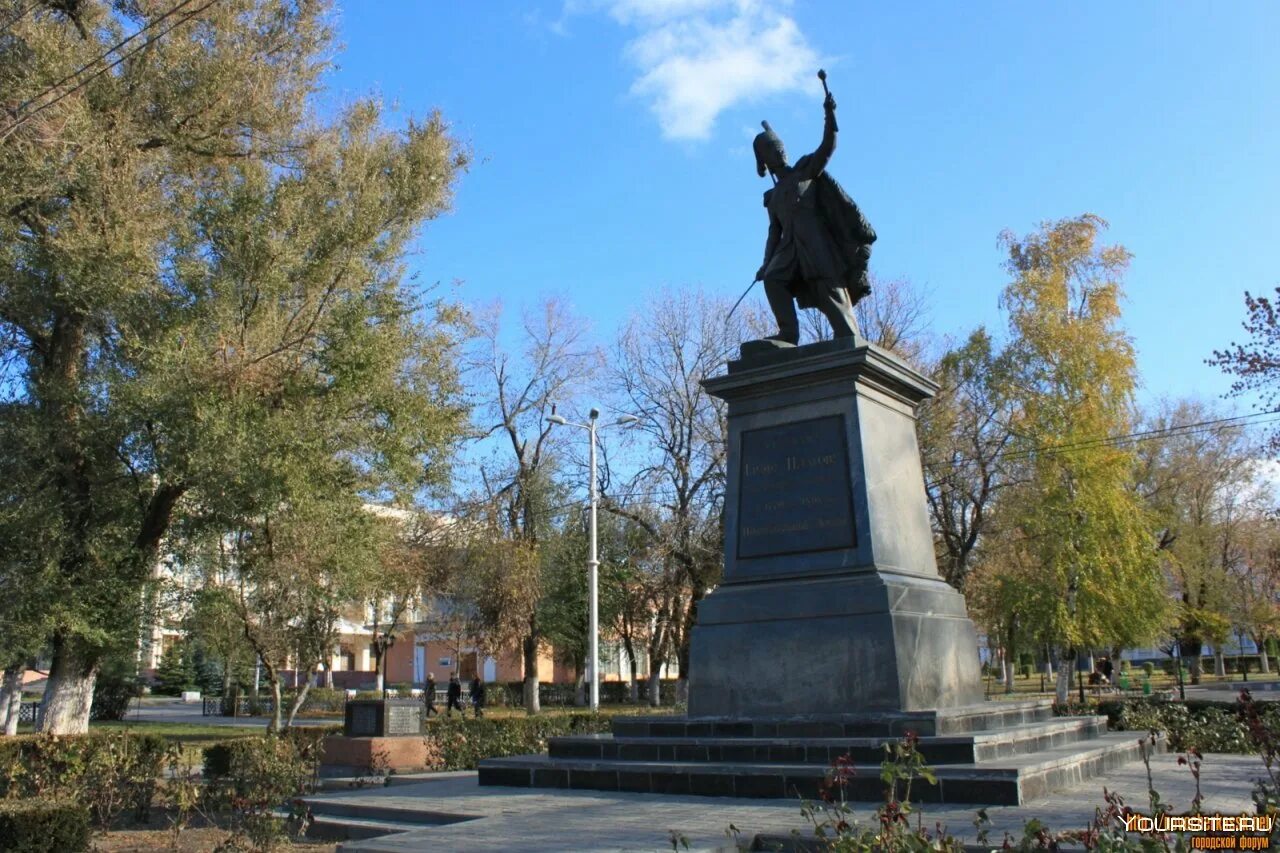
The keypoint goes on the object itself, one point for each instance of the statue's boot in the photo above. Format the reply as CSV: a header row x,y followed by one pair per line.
x,y
835,304
784,311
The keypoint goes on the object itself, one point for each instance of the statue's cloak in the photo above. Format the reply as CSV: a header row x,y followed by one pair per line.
x,y
849,233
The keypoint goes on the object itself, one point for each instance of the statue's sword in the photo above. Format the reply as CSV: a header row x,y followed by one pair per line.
x,y
729,316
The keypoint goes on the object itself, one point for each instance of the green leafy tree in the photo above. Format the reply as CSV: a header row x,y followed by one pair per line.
x,y
1199,485
214,624
200,293
565,615
1077,516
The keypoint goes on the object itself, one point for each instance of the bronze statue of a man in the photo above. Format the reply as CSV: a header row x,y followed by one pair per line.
x,y
819,241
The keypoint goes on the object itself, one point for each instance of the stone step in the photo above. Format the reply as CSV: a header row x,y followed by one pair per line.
x,y
367,809
325,828
1010,781
937,749
987,716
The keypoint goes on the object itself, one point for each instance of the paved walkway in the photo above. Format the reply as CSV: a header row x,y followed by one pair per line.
x,y
545,820
177,711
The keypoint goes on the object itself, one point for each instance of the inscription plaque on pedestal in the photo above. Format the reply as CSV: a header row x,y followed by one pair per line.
x,y
794,494
404,719
363,720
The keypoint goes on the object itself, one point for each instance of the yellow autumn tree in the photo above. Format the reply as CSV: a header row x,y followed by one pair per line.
x,y
1074,512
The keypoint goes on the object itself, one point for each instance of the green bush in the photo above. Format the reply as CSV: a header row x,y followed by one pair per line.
x,y
43,826
116,687
1148,668
106,772
611,692
1025,670
251,778
325,700
1205,725
462,743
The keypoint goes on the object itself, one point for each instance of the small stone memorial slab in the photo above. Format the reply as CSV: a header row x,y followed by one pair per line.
x,y
383,718
795,494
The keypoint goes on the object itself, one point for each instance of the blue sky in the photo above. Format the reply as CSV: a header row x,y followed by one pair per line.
x,y
613,145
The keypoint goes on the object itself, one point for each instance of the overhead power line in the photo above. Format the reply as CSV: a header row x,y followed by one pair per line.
x,y
1144,435
22,117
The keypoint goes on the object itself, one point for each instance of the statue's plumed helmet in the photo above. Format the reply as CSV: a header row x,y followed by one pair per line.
x,y
763,143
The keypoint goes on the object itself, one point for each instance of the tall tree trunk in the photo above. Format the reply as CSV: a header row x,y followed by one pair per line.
x,y
11,698
657,652
68,694
277,713
299,700
1189,649
1011,655
532,703
1264,662
682,651
633,688
1219,663
1066,662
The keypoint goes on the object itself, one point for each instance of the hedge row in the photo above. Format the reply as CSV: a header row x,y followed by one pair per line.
x,y
460,744
611,693
43,826
220,759
107,772
1208,725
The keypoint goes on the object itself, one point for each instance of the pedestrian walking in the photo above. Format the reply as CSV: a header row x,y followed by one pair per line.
x,y
454,696
429,695
477,696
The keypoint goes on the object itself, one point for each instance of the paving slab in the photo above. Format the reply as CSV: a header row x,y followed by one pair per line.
x,y
545,820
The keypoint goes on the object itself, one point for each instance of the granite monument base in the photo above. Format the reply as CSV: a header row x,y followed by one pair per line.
x,y
865,642
831,601
399,753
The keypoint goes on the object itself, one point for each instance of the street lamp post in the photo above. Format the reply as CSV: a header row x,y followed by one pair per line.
x,y
593,561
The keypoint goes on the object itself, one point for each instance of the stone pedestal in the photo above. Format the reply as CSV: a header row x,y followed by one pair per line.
x,y
358,754
831,601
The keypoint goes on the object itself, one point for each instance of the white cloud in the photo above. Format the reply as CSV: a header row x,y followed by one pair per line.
x,y
698,58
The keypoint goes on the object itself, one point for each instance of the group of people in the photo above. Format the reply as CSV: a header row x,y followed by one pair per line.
x,y
453,696
1102,673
